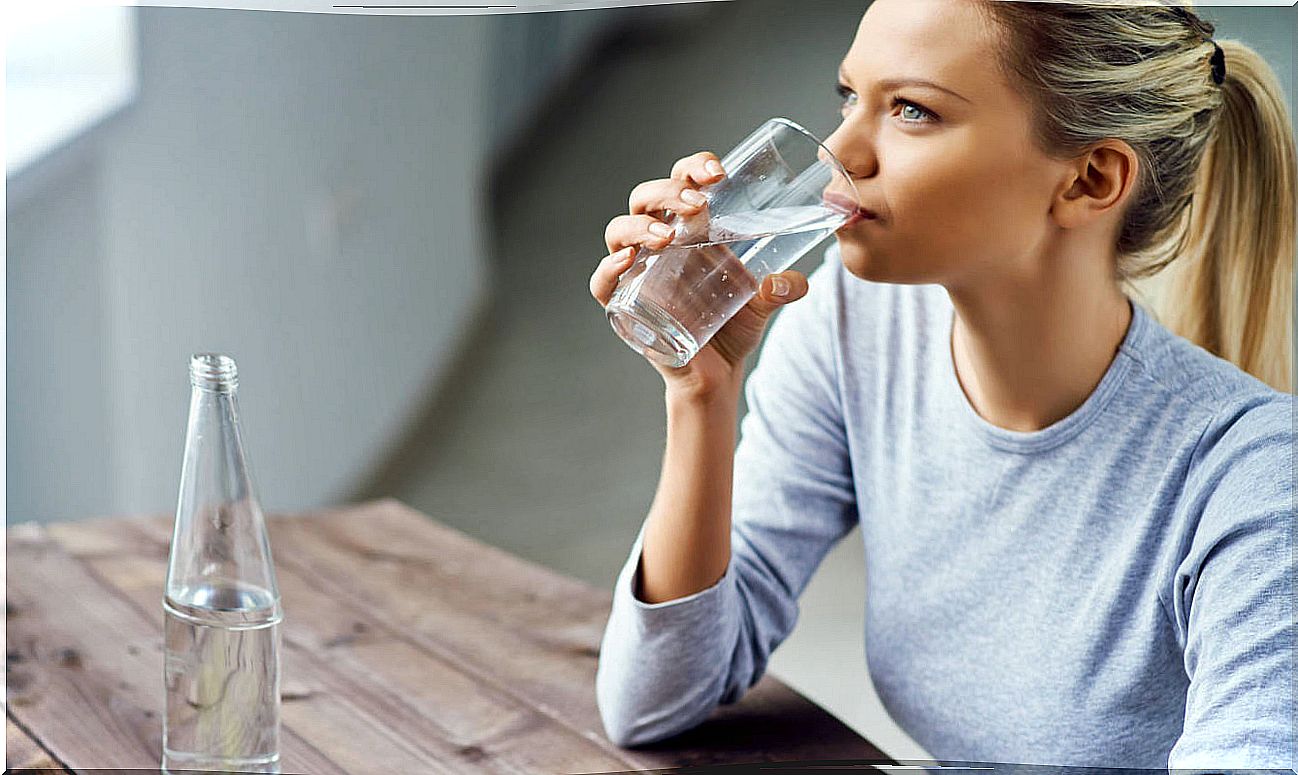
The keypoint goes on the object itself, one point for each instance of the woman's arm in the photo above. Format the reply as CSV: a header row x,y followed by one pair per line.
x,y
687,532
721,580
1235,594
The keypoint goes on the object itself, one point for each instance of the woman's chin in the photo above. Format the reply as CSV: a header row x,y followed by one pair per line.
x,y
857,259
878,266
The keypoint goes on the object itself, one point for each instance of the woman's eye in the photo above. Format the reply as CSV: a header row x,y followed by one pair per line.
x,y
847,97
912,113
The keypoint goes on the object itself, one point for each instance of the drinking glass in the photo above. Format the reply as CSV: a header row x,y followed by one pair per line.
x,y
783,193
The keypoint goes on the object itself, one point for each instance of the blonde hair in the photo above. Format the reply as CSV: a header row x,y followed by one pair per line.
x,y
1216,193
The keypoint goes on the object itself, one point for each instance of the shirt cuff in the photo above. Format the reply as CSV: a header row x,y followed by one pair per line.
x,y
687,607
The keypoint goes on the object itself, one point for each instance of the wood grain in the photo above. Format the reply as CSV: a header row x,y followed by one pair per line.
x,y
24,753
89,686
353,682
408,647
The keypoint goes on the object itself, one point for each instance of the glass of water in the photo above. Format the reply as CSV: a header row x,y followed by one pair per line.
x,y
783,193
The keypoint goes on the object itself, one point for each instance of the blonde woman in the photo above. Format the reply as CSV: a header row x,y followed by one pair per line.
x,y
1078,519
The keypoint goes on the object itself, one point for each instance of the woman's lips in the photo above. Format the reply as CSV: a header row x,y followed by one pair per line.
x,y
839,201
847,204
861,214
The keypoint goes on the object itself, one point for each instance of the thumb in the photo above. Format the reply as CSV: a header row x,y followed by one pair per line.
x,y
777,290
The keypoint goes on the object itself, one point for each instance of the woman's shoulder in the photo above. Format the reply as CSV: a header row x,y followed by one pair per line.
x,y
1243,429
1175,369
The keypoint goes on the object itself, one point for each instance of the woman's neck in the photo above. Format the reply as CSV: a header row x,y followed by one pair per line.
x,y
1029,350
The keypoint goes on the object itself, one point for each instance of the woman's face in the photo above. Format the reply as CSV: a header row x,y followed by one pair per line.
x,y
940,148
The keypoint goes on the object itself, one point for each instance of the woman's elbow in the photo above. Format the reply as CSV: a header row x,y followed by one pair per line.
x,y
626,736
622,727
619,718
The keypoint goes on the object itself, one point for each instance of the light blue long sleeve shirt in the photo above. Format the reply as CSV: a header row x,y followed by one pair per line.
x,y
1117,589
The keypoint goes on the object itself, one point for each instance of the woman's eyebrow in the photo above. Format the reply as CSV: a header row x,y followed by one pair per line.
x,y
897,82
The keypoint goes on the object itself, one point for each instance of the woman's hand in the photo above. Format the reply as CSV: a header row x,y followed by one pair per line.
x,y
719,365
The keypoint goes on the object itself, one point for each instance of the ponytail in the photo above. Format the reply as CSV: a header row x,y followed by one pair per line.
x,y
1215,201
1232,285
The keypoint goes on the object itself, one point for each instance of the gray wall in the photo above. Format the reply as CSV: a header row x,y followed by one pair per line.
x,y
303,191
1271,31
299,190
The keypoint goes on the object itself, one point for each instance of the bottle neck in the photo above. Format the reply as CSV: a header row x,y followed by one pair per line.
x,y
213,371
220,549
214,464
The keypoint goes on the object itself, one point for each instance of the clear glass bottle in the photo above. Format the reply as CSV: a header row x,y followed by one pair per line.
x,y
221,604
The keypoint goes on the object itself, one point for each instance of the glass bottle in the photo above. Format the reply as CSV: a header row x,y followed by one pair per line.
x,y
221,605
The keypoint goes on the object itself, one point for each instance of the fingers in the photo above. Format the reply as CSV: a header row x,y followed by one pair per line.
x,y
678,195
604,280
625,230
777,290
784,287
659,200
656,196
700,169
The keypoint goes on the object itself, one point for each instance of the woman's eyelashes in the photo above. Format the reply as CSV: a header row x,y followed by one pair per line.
x,y
846,98
907,111
912,113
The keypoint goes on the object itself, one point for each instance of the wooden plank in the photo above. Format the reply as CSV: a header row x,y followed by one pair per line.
x,y
83,695
509,628
24,753
321,704
367,670
528,630
88,674
454,597
545,633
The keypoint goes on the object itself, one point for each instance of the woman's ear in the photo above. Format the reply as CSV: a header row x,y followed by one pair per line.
x,y
1098,185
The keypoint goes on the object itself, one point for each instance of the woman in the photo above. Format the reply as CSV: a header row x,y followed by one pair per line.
x,y
1078,520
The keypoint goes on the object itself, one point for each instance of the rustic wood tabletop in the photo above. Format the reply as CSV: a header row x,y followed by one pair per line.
x,y
408,647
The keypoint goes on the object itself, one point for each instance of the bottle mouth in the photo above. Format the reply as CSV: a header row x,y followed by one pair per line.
x,y
213,371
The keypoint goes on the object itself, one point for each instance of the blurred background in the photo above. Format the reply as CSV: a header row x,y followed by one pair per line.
x,y
390,222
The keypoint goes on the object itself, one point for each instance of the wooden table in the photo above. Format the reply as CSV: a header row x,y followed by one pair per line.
x,y
408,648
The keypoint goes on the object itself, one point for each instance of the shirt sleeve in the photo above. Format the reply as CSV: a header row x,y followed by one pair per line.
x,y
1234,596
664,667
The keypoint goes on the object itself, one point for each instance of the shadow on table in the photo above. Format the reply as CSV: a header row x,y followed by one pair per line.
x,y
976,768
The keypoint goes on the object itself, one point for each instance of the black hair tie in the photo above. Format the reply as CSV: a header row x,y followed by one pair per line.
x,y
1218,62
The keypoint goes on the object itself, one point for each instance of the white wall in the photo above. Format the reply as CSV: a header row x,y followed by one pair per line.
x,y
299,190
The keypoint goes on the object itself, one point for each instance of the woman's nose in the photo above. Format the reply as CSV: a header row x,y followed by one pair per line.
x,y
853,149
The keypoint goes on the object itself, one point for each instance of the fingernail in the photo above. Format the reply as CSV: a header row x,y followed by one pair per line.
x,y
779,286
691,197
625,254
661,229
714,167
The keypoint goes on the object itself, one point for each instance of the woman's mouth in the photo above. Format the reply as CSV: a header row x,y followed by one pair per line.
x,y
846,204
841,202
860,214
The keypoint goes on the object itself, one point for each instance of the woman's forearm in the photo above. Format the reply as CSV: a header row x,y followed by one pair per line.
x,y
686,546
